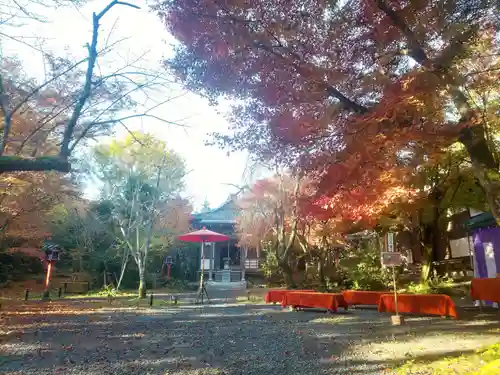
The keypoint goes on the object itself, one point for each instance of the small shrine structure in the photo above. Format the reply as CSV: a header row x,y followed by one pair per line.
x,y
225,262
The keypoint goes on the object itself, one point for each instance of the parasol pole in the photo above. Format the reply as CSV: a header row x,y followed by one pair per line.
x,y
202,268
203,291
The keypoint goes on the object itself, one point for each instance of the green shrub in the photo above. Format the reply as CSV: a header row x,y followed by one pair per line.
x,y
176,284
271,269
362,269
17,267
107,291
433,286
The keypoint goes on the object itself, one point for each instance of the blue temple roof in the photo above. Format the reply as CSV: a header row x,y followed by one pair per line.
x,y
226,213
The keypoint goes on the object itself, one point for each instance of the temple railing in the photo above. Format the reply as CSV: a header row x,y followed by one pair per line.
x,y
252,264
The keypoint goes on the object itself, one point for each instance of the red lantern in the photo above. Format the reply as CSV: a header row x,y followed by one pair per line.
x,y
51,256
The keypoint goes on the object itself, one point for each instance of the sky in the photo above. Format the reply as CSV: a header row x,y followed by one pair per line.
x,y
213,173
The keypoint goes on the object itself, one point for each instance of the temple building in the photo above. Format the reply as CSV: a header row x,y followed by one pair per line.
x,y
225,262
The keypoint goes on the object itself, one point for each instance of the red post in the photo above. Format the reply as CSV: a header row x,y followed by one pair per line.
x,y
46,292
47,278
168,271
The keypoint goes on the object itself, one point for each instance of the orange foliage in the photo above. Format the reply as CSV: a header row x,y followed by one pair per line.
x,y
25,197
174,218
267,202
349,92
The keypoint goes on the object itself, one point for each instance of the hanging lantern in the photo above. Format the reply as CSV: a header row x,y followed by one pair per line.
x,y
51,251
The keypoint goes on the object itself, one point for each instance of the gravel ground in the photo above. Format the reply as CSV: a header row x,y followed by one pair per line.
x,y
224,339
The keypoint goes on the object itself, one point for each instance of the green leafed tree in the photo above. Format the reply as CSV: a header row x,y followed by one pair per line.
x,y
142,180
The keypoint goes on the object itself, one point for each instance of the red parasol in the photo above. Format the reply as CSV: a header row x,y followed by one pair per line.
x,y
203,235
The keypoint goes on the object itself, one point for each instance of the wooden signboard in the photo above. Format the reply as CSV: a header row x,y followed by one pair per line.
x,y
391,259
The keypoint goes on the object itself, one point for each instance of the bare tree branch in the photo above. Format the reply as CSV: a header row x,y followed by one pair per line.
x,y
87,87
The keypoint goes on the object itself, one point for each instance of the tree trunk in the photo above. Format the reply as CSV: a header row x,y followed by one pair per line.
x,y
429,242
141,291
431,236
321,272
122,271
485,167
427,268
287,274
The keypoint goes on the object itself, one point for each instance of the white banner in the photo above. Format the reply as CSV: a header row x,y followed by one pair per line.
x,y
390,242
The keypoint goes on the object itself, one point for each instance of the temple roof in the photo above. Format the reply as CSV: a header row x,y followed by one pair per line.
x,y
484,220
226,213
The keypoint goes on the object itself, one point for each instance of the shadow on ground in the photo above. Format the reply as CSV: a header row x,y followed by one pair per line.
x,y
72,338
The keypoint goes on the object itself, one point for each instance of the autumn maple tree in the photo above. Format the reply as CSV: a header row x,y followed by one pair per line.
x,y
269,214
26,197
284,216
355,88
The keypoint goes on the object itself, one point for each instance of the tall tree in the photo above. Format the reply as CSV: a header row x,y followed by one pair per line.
x,y
142,181
270,213
356,84
75,101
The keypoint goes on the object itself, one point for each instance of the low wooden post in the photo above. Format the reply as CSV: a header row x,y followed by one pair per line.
x,y
26,294
59,293
151,299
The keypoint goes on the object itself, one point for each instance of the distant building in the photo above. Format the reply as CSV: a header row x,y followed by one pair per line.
x,y
225,261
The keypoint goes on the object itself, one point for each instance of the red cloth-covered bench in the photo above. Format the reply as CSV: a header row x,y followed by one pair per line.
x,y
487,289
276,295
328,301
361,297
426,304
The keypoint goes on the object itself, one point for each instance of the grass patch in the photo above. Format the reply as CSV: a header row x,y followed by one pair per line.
x,y
86,301
485,361
102,294
254,300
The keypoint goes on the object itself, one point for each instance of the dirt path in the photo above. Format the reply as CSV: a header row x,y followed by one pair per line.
x,y
224,339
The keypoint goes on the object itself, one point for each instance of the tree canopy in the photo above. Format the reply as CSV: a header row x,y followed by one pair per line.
x,y
356,92
142,181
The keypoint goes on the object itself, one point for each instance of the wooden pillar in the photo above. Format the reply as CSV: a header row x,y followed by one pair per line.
x,y
243,258
202,261
211,261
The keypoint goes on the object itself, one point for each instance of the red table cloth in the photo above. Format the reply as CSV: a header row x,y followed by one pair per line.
x,y
276,295
361,297
427,304
487,289
329,301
